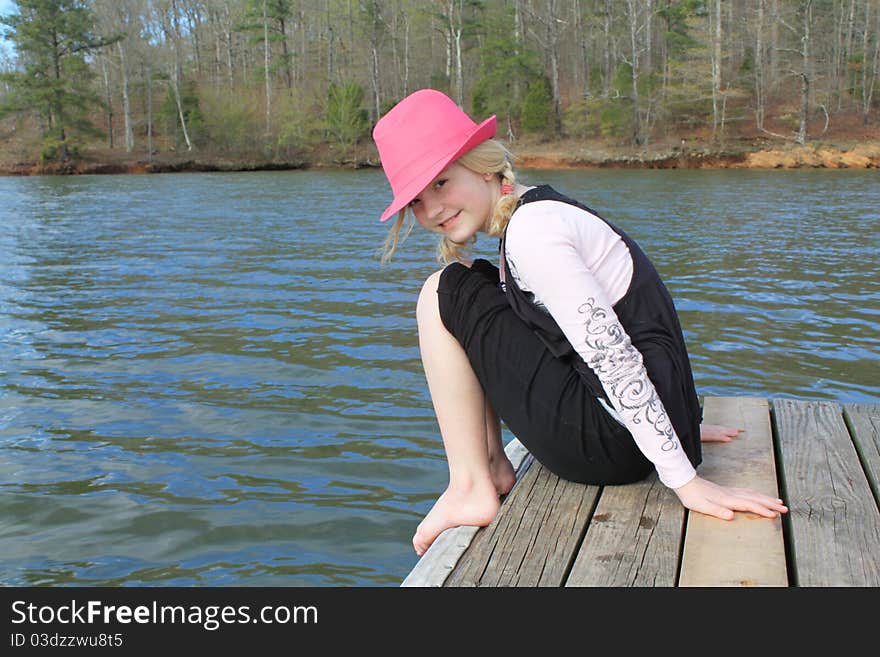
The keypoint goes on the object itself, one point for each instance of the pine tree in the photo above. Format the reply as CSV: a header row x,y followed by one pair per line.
x,y
52,39
537,107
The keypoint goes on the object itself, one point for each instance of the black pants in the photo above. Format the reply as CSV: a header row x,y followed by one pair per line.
x,y
541,399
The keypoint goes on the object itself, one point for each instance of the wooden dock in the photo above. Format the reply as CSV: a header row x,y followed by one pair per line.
x,y
821,457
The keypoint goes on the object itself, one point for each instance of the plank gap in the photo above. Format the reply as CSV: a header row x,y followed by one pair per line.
x,y
680,561
580,539
787,531
862,422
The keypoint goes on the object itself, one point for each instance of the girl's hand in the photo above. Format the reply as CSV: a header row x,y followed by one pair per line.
x,y
720,501
716,433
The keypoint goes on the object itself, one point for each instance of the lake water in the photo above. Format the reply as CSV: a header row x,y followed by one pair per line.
x,y
209,379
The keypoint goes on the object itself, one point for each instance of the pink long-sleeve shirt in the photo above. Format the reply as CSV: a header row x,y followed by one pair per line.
x,y
570,259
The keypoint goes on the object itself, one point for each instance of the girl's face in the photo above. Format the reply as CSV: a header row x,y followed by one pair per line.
x,y
457,203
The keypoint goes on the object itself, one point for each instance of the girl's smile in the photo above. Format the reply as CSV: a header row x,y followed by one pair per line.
x,y
450,222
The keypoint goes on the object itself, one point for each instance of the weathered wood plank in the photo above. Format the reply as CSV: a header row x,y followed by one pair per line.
x,y
864,425
748,550
533,539
835,525
439,560
633,539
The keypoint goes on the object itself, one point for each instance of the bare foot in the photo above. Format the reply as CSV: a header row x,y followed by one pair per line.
x,y
716,433
503,474
475,506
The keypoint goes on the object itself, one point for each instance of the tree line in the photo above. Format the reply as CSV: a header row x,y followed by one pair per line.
x,y
279,77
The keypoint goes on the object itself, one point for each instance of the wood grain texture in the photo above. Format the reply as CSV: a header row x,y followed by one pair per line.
x,y
835,524
634,538
750,549
829,465
533,539
863,421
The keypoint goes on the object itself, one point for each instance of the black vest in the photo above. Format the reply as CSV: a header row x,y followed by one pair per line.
x,y
648,316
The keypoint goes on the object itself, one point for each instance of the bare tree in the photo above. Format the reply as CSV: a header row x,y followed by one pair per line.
x,y
266,69
375,22
634,12
171,28
108,98
868,81
716,62
452,15
716,67
549,18
759,66
806,43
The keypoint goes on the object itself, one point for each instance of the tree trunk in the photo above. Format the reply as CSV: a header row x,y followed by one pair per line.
x,y
216,67
585,41
774,43
842,70
174,34
56,113
649,26
193,29
126,100
175,84
227,30
454,67
350,27
331,49
374,61
149,77
553,51
868,83
606,50
805,74
518,35
716,68
576,62
759,67
285,54
632,5
406,63
459,69
109,100
664,53
266,52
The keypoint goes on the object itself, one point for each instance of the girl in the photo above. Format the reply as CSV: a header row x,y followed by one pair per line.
x,y
573,341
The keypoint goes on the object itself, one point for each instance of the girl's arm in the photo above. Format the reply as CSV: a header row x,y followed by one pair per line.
x,y
544,251
542,248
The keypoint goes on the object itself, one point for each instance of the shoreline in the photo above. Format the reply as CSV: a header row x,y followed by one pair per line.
x,y
864,155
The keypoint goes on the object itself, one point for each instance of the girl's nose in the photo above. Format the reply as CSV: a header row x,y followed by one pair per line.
x,y
431,206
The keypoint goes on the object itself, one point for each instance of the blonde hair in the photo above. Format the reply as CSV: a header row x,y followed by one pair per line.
x,y
490,156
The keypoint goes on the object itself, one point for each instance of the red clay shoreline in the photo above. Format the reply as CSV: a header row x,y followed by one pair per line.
x,y
864,155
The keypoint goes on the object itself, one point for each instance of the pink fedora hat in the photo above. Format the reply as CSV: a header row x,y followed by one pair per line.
x,y
421,136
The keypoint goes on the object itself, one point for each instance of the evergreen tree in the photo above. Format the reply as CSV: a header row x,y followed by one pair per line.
x,y
52,39
347,120
505,72
537,107
192,114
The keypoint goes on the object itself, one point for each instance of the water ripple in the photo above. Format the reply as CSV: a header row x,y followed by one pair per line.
x,y
210,380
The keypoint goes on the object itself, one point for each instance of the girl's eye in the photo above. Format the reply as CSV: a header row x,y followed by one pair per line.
x,y
412,203
439,183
